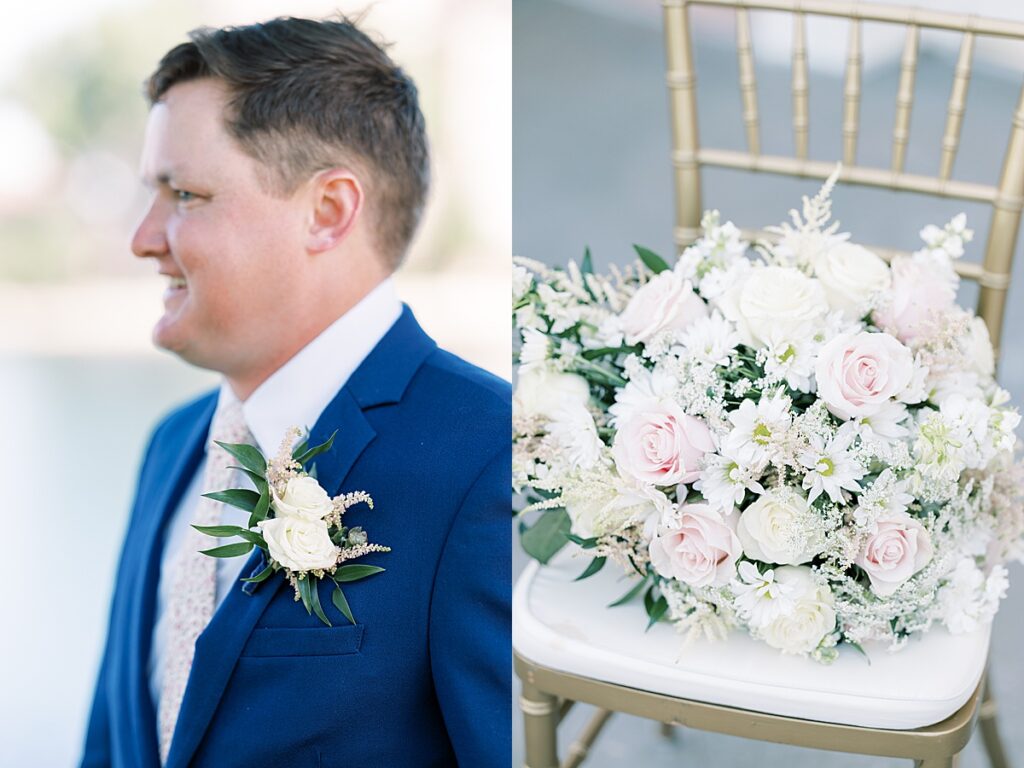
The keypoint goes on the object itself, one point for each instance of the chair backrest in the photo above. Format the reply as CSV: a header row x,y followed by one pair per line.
x,y
688,156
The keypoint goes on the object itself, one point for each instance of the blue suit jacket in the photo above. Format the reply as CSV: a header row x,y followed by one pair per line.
x,y
423,678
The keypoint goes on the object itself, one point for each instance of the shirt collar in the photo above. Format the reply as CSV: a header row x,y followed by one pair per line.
x,y
297,393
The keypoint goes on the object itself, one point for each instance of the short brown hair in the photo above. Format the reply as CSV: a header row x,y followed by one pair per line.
x,y
307,95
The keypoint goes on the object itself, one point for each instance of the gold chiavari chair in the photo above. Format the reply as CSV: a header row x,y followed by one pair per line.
x,y
569,648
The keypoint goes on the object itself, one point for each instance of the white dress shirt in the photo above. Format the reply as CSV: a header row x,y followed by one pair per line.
x,y
294,395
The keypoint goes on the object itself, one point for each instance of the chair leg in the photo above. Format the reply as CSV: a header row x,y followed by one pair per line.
x,y
989,727
937,762
667,730
540,721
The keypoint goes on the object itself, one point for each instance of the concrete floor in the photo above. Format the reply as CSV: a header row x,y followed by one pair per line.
x,y
591,167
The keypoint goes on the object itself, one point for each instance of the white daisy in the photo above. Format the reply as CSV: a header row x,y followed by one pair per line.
x,y
758,428
710,339
723,481
536,350
759,598
831,467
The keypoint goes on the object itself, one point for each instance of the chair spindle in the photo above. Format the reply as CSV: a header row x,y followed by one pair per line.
x,y
800,86
851,95
748,80
905,99
957,103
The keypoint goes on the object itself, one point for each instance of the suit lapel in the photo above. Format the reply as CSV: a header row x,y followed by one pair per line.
x,y
182,456
381,378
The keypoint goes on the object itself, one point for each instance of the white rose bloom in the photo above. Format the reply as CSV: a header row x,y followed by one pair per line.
x,y
303,498
978,348
801,629
665,303
780,528
851,275
773,304
542,392
299,544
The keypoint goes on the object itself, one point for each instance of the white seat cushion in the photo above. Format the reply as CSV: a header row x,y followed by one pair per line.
x,y
566,626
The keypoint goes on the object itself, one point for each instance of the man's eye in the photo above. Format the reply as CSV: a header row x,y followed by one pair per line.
x,y
183,196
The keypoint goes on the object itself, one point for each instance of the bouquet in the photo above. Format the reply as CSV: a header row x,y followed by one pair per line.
x,y
796,439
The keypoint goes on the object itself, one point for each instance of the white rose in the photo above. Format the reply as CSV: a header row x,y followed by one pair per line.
x,y
667,302
775,529
303,497
859,374
541,392
774,304
978,347
801,629
299,544
899,548
851,275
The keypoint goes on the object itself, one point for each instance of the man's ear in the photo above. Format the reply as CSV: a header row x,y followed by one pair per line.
x,y
337,203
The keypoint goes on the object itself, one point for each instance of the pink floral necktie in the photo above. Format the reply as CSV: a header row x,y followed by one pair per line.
x,y
195,574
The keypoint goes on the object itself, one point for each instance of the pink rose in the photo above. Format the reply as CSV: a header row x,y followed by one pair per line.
x,y
920,293
858,374
699,547
900,548
658,443
666,302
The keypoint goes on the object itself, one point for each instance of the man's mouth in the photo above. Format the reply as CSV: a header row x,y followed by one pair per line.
x,y
177,282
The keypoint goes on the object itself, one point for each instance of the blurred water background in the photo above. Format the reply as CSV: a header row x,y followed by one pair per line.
x,y
592,167
80,384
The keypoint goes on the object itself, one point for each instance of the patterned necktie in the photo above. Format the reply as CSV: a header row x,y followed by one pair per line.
x,y
195,574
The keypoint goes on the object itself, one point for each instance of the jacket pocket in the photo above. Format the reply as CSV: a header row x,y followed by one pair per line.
x,y
305,641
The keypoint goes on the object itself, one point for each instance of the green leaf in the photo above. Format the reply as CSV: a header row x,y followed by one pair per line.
x,y
587,267
653,261
595,565
355,572
629,595
229,550
314,598
593,354
237,497
259,512
860,648
546,536
263,575
303,587
300,449
219,531
248,456
316,450
581,542
258,480
657,611
254,537
338,598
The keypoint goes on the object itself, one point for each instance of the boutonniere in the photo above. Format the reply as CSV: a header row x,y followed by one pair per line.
x,y
296,524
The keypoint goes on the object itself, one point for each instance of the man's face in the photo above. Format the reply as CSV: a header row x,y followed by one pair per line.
x,y
232,251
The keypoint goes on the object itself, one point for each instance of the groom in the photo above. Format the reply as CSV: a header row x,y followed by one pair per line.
x,y
289,166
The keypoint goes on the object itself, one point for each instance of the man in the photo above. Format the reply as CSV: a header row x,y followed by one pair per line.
x,y
289,167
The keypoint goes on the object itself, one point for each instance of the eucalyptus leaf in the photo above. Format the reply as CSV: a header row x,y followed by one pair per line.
x,y
587,267
303,587
348,573
546,536
653,261
629,595
595,565
258,480
248,456
316,450
263,575
581,542
314,599
229,550
219,531
300,449
254,537
237,497
658,610
593,354
259,512
338,598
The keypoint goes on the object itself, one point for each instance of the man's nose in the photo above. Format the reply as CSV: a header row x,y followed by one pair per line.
x,y
150,238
